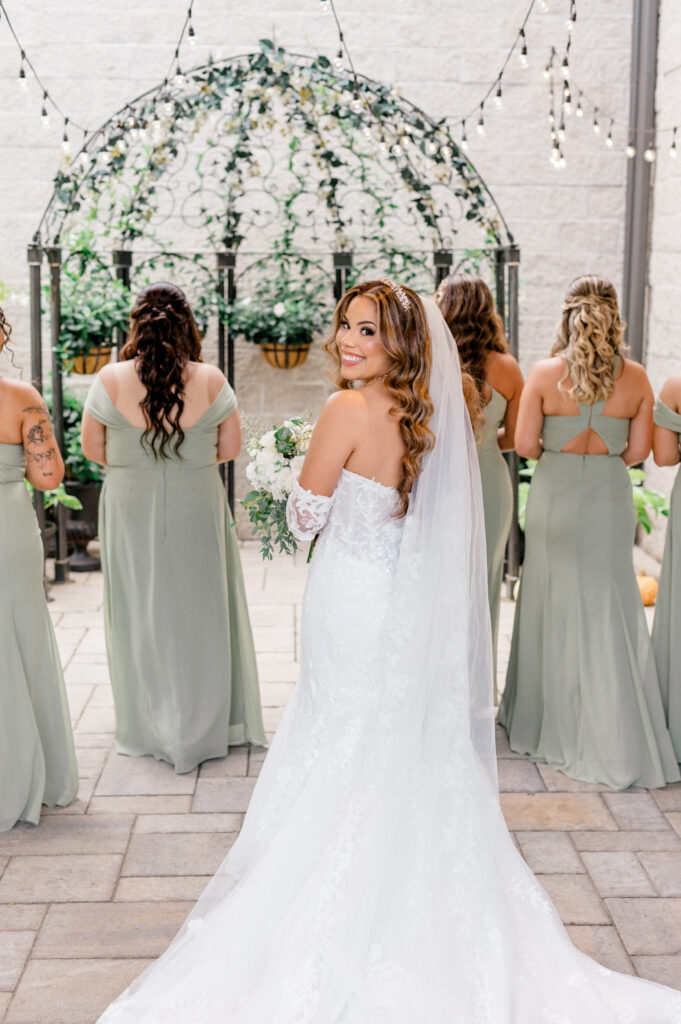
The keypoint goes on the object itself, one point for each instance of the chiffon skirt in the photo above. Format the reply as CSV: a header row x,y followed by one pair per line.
x,y
667,622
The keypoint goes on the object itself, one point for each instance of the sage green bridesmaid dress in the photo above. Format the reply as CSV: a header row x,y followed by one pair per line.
x,y
582,693
37,758
497,499
179,641
667,621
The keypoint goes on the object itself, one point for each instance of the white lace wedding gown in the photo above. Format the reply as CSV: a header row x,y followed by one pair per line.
x,y
374,880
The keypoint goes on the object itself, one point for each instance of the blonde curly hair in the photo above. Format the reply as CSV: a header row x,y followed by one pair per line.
x,y
589,339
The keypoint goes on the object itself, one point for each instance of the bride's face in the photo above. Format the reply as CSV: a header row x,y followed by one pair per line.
x,y
359,341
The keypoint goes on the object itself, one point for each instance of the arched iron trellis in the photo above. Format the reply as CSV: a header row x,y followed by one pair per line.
x,y
276,156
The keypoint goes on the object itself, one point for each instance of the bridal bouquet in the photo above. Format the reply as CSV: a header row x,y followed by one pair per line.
x,y
276,460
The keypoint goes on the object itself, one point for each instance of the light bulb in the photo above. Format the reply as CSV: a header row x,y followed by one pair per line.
x,y
523,56
609,141
179,79
356,105
673,151
631,150
431,148
552,117
579,112
481,127
168,107
561,131
367,132
543,6
84,158
45,117
565,67
464,144
567,108
191,35
446,152
65,144
547,71
649,155
121,145
596,127
339,61
396,150
23,83
498,99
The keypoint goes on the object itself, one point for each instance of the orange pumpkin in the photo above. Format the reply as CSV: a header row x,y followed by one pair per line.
x,y
648,588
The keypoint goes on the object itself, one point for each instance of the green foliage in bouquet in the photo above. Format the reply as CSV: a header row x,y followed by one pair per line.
x,y
645,499
277,457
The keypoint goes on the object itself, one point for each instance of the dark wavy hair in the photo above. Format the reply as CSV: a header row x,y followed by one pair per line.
x,y
163,339
406,339
467,305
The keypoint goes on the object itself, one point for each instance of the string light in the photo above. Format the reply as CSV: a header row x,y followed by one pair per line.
x,y
672,149
523,51
191,35
446,152
481,121
178,78
609,140
595,125
338,63
498,99
356,105
65,143
573,15
567,99
464,137
631,149
44,116
543,6
579,112
23,84
565,66
561,130
649,154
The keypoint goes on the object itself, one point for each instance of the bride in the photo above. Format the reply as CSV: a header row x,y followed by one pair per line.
x,y
374,880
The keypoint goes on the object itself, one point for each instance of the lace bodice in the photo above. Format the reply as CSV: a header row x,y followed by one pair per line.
x,y
358,517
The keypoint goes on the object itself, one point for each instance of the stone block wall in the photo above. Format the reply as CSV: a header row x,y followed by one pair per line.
x,y
443,56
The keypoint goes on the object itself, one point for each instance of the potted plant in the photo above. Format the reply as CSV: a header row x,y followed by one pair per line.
x,y
94,306
281,317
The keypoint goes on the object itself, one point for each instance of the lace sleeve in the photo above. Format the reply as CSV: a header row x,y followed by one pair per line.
x,y
307,512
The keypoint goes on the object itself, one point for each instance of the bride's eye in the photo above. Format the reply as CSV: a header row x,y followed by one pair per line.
x,y
344,325
368,331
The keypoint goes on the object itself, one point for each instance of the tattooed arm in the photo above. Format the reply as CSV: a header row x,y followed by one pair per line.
x,y
44,464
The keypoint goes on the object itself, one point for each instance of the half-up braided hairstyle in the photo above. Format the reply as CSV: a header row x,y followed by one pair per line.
x,y
163,339
589,339
405,337
468,307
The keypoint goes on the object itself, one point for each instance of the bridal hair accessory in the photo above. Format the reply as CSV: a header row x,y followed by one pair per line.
x,y
399,292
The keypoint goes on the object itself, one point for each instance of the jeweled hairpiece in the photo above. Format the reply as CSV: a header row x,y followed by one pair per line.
x,y
399,292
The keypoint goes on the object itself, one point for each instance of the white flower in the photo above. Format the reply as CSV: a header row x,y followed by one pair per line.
x,y
268,441
279,309
246,301
297,464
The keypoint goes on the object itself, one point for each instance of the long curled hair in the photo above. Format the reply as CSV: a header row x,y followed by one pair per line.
x,y
405,337
468,307
589,339
163,339
5,334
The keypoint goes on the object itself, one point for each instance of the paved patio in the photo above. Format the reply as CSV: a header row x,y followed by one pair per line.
x,y
94,893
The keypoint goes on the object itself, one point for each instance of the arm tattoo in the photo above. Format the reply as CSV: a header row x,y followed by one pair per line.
x,y
43,459
40,409
38,433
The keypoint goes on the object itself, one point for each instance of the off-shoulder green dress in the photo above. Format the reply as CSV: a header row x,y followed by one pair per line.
x,y
179,641
497,499
667,621
37,759
582,693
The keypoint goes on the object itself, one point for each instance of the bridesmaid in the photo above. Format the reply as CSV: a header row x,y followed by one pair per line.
x,y
37,759
582,693
468,307
667,622
179,640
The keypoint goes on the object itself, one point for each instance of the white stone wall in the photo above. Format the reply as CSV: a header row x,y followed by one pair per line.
x,y
664,333
95,55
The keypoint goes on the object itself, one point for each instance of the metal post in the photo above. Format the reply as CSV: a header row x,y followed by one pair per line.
x,y
642,118
227,292
61,562
500,281
443,259
512,260
122,261
342,264
35,257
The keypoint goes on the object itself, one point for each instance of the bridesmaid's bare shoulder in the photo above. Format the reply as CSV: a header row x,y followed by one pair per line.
x,y
671,392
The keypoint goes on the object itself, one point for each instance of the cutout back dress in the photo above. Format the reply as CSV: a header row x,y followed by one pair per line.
x,y
582,693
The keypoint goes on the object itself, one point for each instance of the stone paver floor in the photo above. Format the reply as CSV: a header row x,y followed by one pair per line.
x,y
97,891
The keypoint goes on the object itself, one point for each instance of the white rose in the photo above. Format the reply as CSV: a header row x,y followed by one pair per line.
x,y
279,309
269,441
296,465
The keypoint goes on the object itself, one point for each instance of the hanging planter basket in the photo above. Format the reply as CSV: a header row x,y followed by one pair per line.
x,y
284,357
91,361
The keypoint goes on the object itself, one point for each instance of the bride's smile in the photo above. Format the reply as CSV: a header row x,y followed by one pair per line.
x,y
359,342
